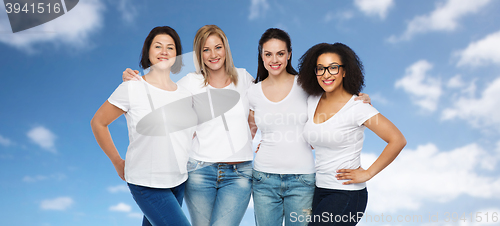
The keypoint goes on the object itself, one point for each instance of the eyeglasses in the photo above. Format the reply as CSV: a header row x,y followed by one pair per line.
x,y
333,69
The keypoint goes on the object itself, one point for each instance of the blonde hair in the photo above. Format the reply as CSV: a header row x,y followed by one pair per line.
x,y
199,41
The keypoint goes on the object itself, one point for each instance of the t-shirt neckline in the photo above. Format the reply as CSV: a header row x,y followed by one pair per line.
x,y
282,100
154,87
341,109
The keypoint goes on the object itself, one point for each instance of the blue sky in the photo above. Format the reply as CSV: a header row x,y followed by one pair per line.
x,y
432,67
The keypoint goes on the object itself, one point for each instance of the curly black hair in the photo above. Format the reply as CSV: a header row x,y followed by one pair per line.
x,y
273,33
353,81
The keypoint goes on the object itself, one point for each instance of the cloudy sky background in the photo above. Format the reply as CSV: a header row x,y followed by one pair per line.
x,y
432,67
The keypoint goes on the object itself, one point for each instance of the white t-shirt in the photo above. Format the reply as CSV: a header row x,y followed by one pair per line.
x,y
338,141
283,149
223,134
155,159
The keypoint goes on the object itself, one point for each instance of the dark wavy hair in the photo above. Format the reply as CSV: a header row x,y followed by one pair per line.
x,y
273,33
353,81
144,58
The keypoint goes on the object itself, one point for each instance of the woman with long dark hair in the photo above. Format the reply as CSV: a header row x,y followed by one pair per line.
x,y
283,175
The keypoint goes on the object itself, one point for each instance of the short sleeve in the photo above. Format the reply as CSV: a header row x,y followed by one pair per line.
x,y
184,82
363,112
120,97
192,82
251,97
249,79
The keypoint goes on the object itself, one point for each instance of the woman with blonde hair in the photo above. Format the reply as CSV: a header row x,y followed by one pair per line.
x,y
219,187
218,194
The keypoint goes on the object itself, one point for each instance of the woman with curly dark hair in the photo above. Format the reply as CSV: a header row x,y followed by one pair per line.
x,y
283,174
332,74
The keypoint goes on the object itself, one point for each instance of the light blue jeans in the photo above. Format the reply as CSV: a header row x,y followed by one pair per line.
x,y
282,195
161,206
219,194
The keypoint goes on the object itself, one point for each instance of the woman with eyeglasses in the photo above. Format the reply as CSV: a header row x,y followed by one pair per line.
x,y
283,175
332,74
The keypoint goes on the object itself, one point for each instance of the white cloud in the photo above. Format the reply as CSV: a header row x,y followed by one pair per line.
x,y
43,137
429,175
128,10
482,52
456,82
445,17
72,29
32,179
258,8
5,141
135,215
120,207
423,89
478,112
378,98
374,7
61,203
340,15
118,188
37,178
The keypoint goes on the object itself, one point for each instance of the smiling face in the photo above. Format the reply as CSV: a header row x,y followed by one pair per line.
x,y
275,56
330,82
214,53
162,51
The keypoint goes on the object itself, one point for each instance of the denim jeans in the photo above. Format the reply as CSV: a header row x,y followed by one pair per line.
x,y
282,195
342,207
161,206
219,194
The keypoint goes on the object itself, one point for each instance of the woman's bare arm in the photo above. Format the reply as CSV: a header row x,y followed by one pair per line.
x,y
106,114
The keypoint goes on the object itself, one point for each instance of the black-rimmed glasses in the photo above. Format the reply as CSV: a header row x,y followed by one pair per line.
x,y
333,69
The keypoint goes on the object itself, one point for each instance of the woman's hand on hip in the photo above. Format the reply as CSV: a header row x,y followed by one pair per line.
x,y
120,168
353,176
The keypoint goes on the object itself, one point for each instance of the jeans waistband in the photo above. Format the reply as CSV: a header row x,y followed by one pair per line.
x,y
221,165
284,175
195,164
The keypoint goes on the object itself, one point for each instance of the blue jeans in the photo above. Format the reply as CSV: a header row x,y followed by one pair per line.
x,y
342,207
219,194
282,195
161,206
